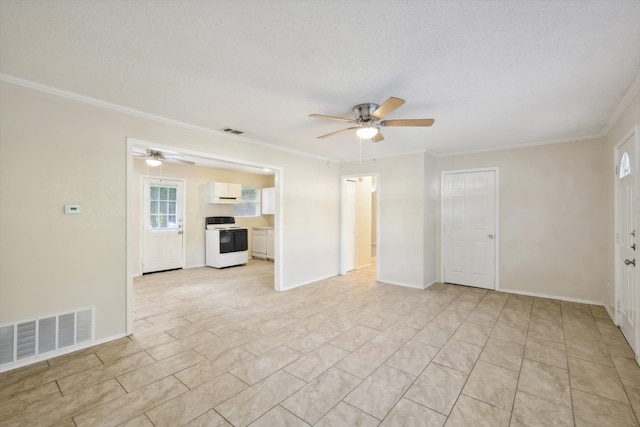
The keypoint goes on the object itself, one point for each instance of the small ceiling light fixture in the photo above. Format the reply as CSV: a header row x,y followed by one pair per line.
x,y
367,131
154,162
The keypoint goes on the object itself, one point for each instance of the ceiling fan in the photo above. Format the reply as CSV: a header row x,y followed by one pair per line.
x,y
368,119
156,157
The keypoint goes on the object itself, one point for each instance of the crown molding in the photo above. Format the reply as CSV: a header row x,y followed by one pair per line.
x,y
529,145
630,94
148,116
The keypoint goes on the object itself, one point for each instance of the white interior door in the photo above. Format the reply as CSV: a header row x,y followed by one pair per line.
x,y
349,223
162,232
469,228
626,240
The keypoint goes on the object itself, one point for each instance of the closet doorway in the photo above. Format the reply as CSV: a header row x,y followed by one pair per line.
x,y
359,222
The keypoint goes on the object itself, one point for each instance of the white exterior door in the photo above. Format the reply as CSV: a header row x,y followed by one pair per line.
x,y
348,225
162,232
626,240
469,228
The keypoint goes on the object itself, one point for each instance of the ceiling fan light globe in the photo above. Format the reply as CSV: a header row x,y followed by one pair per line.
x,y
154,162
367,132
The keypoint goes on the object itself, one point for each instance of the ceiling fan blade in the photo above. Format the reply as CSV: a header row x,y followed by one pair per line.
x,y
140,154
338,119
388,106
337,132
378,137
407,122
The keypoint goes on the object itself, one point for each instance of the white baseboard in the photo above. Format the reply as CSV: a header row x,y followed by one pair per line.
x,y
406,285
428,285
556,297
60,352
308,283
611,315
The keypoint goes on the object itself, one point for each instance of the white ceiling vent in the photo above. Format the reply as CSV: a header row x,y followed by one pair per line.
x,y
32,338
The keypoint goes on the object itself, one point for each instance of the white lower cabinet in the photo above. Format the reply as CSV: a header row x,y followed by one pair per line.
x,y
263,243
259,243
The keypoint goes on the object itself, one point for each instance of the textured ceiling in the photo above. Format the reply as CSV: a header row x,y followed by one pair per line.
x,y
492,74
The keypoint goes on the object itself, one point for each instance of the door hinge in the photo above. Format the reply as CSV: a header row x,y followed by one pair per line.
x,y
618,306
617,170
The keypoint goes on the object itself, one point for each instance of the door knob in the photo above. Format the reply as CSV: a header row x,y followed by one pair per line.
x,y
490,236
632,262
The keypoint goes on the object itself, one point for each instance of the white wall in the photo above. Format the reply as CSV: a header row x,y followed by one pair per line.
x,y
196,207
627,120
401,196
56,150
431,218
552,217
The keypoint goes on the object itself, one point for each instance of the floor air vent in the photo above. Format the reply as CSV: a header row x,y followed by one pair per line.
x,y
32,338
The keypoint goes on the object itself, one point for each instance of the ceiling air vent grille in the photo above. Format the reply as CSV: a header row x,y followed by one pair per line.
x,y
233,131
29,339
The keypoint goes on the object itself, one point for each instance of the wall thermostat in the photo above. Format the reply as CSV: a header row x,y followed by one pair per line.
x,y
72,209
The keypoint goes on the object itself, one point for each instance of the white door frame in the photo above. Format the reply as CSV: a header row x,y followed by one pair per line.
x,y
279,225
342,219
616,259
496,170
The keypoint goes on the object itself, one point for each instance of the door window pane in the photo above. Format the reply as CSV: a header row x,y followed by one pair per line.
x,y
162,207
625,165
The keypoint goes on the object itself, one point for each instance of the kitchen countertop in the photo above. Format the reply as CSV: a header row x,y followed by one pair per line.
x,y
263,228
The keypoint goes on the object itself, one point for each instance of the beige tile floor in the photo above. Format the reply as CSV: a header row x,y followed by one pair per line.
x,y
220,347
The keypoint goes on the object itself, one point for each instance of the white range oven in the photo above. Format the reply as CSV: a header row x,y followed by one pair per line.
x,y
226,244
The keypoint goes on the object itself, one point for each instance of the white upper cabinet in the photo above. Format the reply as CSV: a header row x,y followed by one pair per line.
x,y
268,201
224,193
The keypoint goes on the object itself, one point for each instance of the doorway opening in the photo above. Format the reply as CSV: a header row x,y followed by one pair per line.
x,y
192,196
359,223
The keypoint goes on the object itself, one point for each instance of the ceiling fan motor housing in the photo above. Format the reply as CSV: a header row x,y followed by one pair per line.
x,y
363,112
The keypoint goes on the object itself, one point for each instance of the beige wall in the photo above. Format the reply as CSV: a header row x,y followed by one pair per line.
x,y
431,218
374,211
55,150
552,217
628,119
556,209
401,194
197,209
